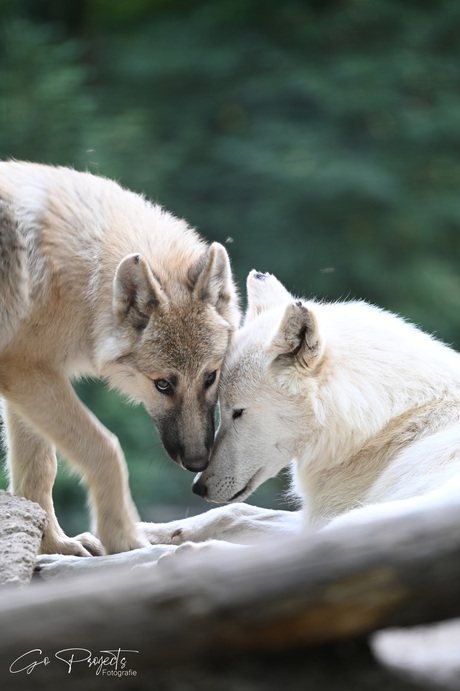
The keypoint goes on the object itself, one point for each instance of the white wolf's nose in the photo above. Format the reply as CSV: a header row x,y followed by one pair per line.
x,y
199,488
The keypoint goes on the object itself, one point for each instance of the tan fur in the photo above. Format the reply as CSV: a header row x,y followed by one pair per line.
x,y
95,280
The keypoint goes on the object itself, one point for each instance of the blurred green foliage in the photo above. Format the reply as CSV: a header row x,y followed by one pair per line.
x,y
320,137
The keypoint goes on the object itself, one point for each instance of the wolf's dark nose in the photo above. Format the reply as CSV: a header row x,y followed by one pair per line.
x,y
196,464
200,489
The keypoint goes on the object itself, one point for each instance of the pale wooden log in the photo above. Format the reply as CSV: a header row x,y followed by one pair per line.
x,y
245,605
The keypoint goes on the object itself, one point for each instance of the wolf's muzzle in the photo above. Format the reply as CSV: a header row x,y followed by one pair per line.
x,y
199,488
195,465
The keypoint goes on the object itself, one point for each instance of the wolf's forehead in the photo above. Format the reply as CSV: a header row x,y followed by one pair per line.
x,y
187,341
242,370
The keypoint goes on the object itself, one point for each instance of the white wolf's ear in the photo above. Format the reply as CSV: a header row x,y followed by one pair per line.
x,y
136,292
264,292
298,341
213,283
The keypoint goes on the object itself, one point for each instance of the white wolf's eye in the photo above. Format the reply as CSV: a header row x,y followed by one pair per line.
x,y
163,386
237,413
210,379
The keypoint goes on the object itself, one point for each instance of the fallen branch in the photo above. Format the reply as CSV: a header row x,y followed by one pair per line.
x,y
273,599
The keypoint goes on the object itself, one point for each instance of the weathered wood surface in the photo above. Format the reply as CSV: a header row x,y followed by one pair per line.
x,y
204,612
22,524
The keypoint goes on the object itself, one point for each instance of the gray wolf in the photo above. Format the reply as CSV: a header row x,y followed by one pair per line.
x,y
363,406
95,280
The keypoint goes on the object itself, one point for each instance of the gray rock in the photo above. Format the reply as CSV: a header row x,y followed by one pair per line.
x,y
22,524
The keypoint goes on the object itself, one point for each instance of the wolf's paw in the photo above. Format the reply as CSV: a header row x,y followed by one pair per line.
x,y
170,536
91,544
180,537
172,533
49,565
187,548
118,542
191,548
84,545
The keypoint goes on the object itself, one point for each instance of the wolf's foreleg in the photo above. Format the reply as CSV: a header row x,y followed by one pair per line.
x,y
240,523
49,404
32,467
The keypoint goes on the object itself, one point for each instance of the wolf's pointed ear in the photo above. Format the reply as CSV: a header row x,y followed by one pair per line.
x,y
298,341
264,292
136,292
213,283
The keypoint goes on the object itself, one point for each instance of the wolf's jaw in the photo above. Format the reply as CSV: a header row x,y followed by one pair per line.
x,y
252,485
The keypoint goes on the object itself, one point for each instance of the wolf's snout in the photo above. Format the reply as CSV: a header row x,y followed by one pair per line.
x,y
195,463
191,457
199,488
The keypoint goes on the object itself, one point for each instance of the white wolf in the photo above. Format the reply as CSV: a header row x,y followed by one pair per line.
x,y
364,405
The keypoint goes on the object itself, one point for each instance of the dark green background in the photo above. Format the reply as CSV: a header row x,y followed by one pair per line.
x,y
321,139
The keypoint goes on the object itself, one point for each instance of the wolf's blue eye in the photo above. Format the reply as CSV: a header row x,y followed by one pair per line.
x,y
237,413
163,386
210,379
